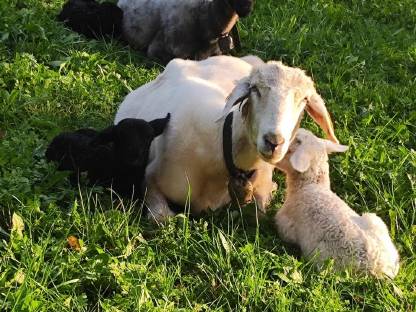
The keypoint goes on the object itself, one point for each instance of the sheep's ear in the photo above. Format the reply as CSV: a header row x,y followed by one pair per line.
x,y
317,110
301,159
239,96
159,125
104,136
332,147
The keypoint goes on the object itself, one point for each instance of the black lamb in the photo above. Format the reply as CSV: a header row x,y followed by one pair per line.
x,y
114,157
164,29
92,19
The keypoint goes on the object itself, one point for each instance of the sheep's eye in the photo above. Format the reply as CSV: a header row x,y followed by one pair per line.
x,y
304,100
256,90
298,141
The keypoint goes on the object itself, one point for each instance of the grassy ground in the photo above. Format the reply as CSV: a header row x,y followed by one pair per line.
x,y
362,54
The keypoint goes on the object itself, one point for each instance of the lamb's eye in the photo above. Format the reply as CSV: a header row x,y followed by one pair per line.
x,y
298,141
255,90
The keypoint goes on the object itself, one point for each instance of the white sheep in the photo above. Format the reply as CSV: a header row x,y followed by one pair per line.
x,y
189,155
321,223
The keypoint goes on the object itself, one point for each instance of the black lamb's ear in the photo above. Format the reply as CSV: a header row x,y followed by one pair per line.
x,y
159,125
104,136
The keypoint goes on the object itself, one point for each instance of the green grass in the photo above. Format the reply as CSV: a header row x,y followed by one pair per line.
x,y
362,55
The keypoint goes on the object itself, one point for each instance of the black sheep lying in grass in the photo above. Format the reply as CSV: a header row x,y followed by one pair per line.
x,y
163,29
114,157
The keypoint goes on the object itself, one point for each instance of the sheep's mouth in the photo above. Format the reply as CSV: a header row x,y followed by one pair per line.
x,y
267,157
271,158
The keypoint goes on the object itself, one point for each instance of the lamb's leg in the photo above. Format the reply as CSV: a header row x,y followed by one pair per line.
x,y
263,186
285,227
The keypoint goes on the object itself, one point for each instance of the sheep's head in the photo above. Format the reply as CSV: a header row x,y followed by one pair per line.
x,y
132,138
272,99
308,152
242,7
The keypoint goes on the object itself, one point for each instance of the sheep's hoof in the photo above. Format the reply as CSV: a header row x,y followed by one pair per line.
x,y
161,216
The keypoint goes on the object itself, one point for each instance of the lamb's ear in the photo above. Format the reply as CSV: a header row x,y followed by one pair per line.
x,y
159,125
104,136
300,159
332,147
317,110
239,95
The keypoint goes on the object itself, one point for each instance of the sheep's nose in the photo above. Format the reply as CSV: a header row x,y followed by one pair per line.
x,y
273,140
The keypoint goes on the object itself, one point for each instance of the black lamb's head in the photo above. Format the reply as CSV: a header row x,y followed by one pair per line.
x,y
132,138
71,149
243,8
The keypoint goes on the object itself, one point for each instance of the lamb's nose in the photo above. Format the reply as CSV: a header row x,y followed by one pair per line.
x,y
273,140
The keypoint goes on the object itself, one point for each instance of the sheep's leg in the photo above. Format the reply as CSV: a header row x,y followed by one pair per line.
x,y
156,203
158,208
285,227
263,186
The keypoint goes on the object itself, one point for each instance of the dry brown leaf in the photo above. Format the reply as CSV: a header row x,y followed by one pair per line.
x,y
73,243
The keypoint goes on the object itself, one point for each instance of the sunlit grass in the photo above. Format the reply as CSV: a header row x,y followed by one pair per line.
x,y
362,56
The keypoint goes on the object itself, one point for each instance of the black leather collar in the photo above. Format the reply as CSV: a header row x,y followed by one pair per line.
x,y
240,188
227,148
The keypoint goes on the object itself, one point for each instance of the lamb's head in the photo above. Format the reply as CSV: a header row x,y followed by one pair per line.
x,y
71,149
272,99
242,7
308,154
132,138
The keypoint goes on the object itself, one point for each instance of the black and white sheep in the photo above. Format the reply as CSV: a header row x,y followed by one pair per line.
x,y
114,157
164,29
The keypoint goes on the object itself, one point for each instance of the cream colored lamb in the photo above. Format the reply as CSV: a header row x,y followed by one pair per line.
x,y
321,223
